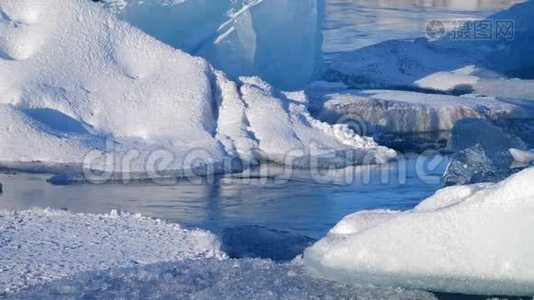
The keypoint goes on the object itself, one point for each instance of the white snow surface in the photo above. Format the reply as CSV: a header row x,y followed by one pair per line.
x,y
464,239
299,140
78,86
522,156
41,245
411,112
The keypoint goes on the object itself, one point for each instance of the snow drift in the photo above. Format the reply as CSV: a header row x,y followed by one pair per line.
x,y
465,239
74,76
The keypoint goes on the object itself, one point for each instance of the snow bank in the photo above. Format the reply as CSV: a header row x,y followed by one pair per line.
x,y
409,112
116,100
77,62
212,279
39,246
25,139
466,239
279,40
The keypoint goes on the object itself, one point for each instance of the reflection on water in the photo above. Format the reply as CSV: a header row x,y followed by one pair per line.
x,y
353,24
306,204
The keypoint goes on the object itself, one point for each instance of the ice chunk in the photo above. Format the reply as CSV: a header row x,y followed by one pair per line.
x,y
480,81
278,40
469,240
134,105
408,112
451,81
472,165
482,152
39,245
467,133
213,279
522,156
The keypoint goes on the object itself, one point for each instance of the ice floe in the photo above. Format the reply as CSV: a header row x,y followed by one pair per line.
x,y
466,239
117,100
408,112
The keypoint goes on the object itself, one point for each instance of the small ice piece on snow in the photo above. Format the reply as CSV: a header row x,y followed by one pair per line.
x,y
522,156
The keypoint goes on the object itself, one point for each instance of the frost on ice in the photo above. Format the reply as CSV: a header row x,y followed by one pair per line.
x,y
41,245
277,40
118,89
465,239
212,279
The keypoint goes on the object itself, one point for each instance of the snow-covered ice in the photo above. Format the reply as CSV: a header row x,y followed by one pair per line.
x,y
393,64
110,78
213,279
465,239
41,245
522,156
408,112
299,140
493,67
73,75
280,40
